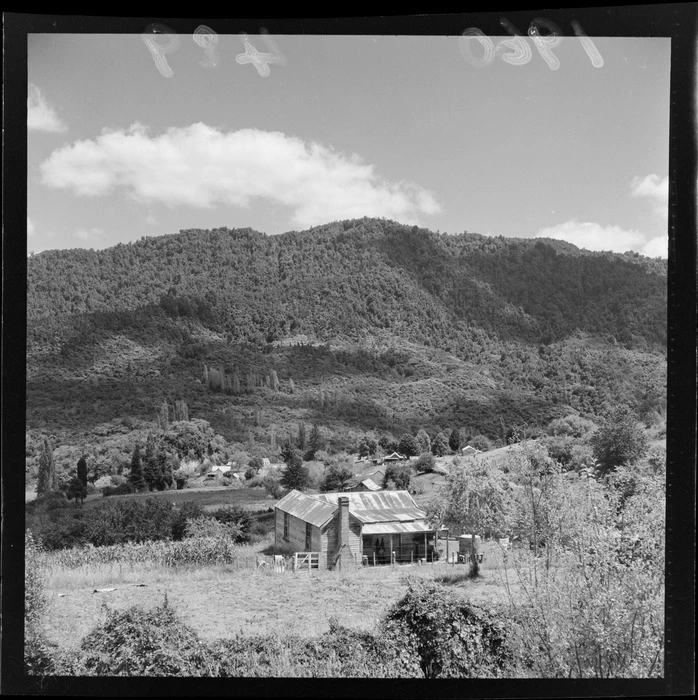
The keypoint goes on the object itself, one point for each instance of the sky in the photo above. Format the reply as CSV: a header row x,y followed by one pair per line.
x,y
133,135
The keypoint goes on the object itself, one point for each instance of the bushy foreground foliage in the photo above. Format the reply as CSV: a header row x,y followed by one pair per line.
x,y
453,638
139,642
156,642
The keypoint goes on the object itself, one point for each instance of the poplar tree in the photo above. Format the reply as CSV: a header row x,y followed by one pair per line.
x,y
136,476
82,470
47,470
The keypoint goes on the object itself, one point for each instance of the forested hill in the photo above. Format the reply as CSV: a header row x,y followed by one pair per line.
x,y
347,278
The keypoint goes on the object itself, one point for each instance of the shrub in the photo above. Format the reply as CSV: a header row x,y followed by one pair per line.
x,y
207,527
122,489
178,523
273,486
139,642
480,442
256,481
339,653
238,517
129,521
453,638
396,477
105,481
64,530
425,463
49,501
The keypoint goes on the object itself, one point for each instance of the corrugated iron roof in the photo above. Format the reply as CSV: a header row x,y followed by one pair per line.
x,y
386,515
371,485
395,528
308,508
378,506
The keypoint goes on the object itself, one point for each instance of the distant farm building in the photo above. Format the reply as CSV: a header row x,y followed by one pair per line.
x,y
377,476
470,451
365,485
351,528
221,469
395,457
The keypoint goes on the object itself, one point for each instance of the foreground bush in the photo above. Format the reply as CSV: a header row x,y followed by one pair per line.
x,y
339,653
138,642
453,638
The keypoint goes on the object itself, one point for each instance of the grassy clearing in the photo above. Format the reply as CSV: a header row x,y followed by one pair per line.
x,y
222,601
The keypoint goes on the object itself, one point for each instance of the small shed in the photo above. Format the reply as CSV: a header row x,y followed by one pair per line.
x,y
470,451
395,457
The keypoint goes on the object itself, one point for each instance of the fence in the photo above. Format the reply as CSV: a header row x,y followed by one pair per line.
x,y
310,560
398,557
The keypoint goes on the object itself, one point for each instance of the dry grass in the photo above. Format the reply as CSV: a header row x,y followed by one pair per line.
x,y
222,601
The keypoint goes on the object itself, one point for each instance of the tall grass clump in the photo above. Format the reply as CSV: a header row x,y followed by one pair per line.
x,y
196,551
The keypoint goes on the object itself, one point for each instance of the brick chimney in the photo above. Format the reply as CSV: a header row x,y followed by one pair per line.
x,y
343,555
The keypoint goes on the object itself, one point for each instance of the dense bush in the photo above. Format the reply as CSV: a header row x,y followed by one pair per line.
x,y
425,463
129,521
118,522
237,516
186,511
396,478
273,486
140,642
454,639
122,489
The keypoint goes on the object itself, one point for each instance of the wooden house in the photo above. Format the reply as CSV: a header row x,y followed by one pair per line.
x,y
470,451
365,485
354,527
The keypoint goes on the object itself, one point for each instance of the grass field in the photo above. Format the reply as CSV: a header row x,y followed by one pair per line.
x,y
220,602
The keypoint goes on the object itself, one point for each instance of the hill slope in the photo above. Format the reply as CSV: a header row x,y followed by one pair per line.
x,y
357,325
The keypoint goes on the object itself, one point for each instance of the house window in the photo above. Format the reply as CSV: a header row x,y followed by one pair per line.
x,y
308,533
287,518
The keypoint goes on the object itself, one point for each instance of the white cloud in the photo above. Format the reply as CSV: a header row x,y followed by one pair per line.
x,y
151,220
30,227
656,247
655,190
40,116
200,166
89,234
594,236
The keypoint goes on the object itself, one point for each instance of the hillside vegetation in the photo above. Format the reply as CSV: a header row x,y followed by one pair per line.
x,y
362,326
